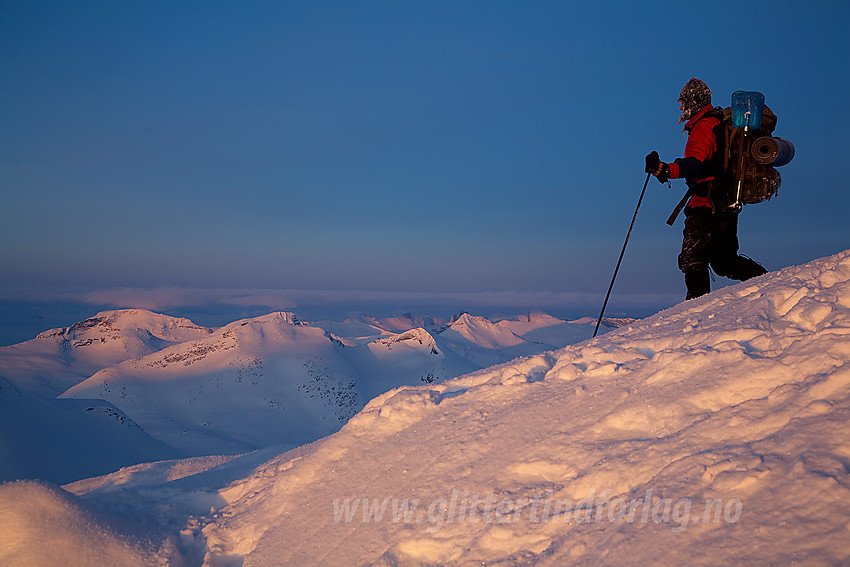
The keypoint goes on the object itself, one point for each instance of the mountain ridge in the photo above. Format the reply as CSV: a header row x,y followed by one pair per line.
x,y
268,379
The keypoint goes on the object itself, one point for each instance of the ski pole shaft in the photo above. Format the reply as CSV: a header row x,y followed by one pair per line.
x,y
622,252
737,204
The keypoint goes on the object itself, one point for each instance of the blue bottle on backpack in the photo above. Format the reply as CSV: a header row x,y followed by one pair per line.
x,y
747,108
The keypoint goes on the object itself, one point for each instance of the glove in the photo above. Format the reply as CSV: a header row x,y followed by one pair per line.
x,y
653,163
656,167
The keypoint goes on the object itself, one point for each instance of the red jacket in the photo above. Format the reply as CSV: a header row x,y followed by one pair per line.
x,y
700,148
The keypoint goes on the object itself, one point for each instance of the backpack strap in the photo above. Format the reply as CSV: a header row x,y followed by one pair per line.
x,y
722,115
691,192
728,135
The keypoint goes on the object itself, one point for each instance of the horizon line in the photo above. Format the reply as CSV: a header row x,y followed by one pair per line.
x,y
168,297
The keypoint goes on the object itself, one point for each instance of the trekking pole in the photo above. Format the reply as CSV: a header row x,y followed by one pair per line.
x,y
623,251
737,206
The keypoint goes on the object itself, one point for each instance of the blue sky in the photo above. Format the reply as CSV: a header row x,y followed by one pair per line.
x,y
408,147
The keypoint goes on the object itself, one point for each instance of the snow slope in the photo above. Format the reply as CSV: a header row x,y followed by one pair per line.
x,y
60,358
77,535
482,332
483,343
530,322
255,382
65,440
544,329
277,380
410,357
713,433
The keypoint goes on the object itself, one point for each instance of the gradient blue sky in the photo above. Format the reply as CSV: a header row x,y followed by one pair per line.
x,y
428,147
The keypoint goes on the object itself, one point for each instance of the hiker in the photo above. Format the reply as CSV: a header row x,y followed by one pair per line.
x,y
711,222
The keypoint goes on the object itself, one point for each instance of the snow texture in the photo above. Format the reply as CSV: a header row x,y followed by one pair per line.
x,y
713,433
45,525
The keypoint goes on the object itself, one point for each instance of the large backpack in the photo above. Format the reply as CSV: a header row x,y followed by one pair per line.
x,y
746,160
745,166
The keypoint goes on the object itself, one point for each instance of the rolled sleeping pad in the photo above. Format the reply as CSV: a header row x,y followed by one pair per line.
x,y
768,150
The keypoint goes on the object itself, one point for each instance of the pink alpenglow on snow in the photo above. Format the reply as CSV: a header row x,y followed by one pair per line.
x,y
713,433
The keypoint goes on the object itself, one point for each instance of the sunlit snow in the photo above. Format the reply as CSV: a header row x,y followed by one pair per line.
x,y
713,433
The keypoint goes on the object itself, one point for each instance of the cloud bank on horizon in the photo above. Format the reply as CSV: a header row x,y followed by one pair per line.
x,y
164,298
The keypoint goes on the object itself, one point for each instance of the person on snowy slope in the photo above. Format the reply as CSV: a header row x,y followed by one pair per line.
x,y
711,226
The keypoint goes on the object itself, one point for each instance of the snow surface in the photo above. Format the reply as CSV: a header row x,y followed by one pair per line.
x,y
65,440
713,433
44,525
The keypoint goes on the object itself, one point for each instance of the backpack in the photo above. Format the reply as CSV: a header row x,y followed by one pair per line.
x,y
746,160
747,157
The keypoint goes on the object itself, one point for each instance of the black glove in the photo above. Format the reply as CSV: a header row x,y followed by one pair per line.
x,y
663,175
653,162
656,167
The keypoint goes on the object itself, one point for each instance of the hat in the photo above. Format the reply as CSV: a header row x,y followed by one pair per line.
x,y
694,97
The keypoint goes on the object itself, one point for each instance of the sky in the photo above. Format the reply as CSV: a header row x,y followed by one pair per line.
x,y
207,150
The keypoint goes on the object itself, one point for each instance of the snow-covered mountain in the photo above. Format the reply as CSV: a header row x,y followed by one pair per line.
x,y
57,359
275,380
65,440
712,433
483,343
255,382
482,332
544,329
531,322
272,380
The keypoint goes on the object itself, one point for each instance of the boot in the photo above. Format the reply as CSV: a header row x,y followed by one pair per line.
x,y
746,268
697,282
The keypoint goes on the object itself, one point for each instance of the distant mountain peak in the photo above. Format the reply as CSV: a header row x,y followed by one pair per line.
x,y
120,320
483,332
60,358
413,336
274,318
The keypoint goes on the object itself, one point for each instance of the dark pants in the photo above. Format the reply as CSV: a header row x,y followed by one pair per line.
x,y
711,239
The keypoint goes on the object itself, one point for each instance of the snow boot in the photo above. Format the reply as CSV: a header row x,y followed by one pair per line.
x,y
746,268
697,282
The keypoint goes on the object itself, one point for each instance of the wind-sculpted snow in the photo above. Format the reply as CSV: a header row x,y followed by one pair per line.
x,y
78,536
713,433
